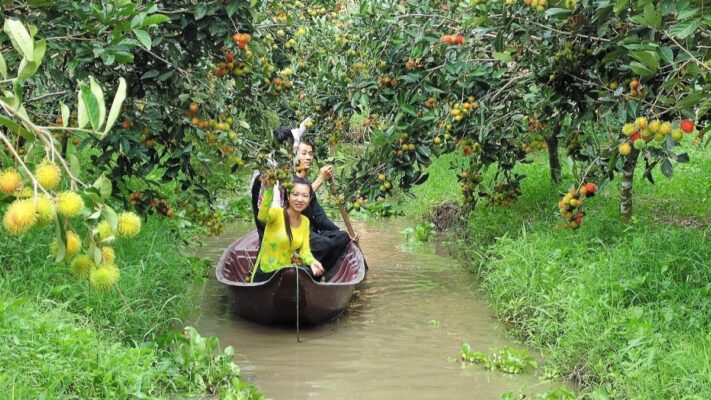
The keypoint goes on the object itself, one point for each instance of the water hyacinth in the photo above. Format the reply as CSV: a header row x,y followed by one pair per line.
x,y
104,277
129,224
20,216
69,204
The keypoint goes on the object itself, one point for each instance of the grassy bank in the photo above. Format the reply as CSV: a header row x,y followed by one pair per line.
x,y
66,340
623,309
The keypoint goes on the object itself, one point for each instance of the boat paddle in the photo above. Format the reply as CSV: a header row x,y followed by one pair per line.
x,y
349,227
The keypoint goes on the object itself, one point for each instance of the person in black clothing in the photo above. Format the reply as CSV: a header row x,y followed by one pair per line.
x,y
327,241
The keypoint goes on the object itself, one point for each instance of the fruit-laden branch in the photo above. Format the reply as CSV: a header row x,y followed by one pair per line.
x,y
22,163
44,135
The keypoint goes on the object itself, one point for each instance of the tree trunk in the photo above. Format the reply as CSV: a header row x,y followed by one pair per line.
x,y
553,159
626,186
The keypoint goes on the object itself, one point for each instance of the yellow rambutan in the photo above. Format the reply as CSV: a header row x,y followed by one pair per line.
x,y
20,216
69,204
81,266
48,175
129,224
104,277
104,230
108,254
46,211
73,244
9,180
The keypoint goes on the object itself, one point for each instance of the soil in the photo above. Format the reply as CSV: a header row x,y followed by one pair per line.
x,y
446,215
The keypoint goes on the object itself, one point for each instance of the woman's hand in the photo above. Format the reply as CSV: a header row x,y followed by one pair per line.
x,y
317,268
326,172
355,238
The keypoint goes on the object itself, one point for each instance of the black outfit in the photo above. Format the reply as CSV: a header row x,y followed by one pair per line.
x,y
327,241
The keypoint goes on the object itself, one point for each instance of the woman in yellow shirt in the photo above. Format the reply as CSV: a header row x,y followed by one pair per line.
x,y
286,231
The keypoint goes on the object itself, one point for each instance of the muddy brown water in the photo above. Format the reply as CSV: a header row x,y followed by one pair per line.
x,y
399,339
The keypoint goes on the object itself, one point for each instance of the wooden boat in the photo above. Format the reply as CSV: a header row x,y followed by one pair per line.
x,y
275,301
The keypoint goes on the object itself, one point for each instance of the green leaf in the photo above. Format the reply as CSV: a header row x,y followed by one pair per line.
x,y
82,115
667,54
99,95
15,127
685,29
143,37
26,69
119,97
91,105
3,67
74,165
156,19
20,38
640,69
620,6
65,114
110,216
652,17
104,186
137,19
649,58
61,236
503,57
667,168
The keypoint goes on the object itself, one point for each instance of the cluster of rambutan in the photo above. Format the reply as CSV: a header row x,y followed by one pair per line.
x,y
31,209
570,205
642,131
461,110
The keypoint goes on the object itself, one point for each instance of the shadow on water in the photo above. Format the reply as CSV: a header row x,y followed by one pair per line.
x,y
399,338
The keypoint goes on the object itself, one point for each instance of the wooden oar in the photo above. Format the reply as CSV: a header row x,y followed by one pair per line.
x,y
347,221
351,232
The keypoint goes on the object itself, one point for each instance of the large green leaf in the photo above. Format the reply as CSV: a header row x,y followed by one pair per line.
x,y
143,37
91,105
99,95
3,67
156,19
641,69
649,58
685,29
119,97
20,38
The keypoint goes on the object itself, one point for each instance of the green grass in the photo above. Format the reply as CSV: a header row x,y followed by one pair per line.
x,y
623,309
154,283
65,340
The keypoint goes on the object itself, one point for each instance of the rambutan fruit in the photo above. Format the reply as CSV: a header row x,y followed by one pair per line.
x,y
104,277
73,244
104,230
81,266
9,181
46,211
628,129
108,254
48,175
69,204
129,224
20,216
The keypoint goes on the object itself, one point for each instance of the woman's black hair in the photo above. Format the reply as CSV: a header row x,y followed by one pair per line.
x,y
287,224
